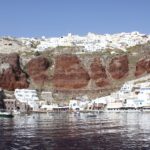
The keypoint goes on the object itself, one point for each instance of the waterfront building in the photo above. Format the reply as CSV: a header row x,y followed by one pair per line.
x,y
74,105
28,96
133,102
15,105
10,104
99,103
83,105
48,107
114,105
144,95
132,95
47,97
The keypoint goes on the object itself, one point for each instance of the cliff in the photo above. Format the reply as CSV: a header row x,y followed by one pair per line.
x,y
11,74
68,72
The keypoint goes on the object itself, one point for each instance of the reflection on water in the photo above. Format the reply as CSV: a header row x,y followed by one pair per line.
x,y
107,131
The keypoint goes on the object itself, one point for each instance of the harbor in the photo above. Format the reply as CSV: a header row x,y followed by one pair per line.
x,y
68,131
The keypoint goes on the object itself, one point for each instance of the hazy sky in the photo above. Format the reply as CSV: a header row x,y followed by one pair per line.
x,y
35,18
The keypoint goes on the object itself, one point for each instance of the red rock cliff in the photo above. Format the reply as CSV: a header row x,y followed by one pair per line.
x,y
142,66
12,76
98,73
37,69
69,73
118,67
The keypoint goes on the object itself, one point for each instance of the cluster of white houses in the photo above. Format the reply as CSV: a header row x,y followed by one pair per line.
x,y
90,42
25,100
130,96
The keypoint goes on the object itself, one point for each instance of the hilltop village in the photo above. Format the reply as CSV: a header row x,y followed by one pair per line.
x,y
91,42
88,73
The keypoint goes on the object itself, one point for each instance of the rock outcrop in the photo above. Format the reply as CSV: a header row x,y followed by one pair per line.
x,y
101,73
142,66
11,74
69,73
118,67
98,73
37,69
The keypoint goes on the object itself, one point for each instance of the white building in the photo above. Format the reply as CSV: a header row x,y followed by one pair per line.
x,y
144,95
91,42
74,105
114,105
127,88
27,96
47,97
101,100
49,107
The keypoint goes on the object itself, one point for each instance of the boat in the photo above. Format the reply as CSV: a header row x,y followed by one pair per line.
x,y
145,109
4,113
91,115
124,109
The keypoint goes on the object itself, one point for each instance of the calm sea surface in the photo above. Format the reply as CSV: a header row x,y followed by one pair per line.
x,y
106,131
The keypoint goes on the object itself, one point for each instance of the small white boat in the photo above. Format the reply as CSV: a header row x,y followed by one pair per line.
x,y
4,113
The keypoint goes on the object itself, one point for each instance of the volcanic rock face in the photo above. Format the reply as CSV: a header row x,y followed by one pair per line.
x,y
98,73
69,73
36,68
142,66
118,67
11,74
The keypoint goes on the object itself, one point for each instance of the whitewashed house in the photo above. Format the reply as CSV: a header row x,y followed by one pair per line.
x,y
144,96
74,105
27,96
49,107
47,97
127,88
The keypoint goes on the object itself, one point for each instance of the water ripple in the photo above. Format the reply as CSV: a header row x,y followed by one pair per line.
x,y
116,131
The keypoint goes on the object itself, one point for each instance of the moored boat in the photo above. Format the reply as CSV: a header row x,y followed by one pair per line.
x,y
91,115
4,113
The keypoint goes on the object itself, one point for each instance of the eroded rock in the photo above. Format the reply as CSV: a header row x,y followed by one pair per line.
x,y
69,73
142,66
98,73
118,67
37,69
12,76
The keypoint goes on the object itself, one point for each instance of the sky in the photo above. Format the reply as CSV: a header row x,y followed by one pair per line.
x,y
54,18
